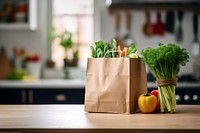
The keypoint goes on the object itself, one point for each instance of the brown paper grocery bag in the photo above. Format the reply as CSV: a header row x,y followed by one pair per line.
x,y
114,84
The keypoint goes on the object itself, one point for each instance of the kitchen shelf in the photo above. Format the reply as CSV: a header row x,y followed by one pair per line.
x,y
11,26
185,5
32,20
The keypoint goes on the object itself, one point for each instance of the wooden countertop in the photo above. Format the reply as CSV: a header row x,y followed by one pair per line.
x,y
73,119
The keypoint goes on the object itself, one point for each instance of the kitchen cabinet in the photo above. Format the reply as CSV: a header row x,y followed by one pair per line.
x,y
184,95
60,91
58,96
49,91
12,96
30,24
42,96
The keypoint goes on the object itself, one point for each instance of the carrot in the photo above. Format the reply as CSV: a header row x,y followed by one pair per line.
x,y
119,51
124,52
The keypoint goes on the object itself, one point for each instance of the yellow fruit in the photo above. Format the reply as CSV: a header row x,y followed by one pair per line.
x,y
147,103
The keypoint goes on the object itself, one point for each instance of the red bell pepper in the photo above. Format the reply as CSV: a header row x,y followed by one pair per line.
x,y
155,93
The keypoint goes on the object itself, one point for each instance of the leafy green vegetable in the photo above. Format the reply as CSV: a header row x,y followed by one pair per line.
x,y
110,50
132,51
104,49
165,62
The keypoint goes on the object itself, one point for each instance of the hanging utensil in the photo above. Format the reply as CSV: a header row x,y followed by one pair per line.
x,y
170,22
195,44
148,26
116,26
127,37
159,26
179,34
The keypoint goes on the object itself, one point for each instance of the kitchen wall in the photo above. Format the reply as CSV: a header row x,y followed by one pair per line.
x,y
36,41
138,19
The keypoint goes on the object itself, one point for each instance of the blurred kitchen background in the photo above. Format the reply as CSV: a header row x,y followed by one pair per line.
x,y
51,39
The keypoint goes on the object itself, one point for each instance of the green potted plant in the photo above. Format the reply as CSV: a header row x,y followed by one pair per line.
x,y
71,59
67,43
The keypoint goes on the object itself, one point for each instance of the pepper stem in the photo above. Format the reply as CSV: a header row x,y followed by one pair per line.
x,y
147,94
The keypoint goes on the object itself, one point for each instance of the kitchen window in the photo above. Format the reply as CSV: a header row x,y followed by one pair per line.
x,y
75,16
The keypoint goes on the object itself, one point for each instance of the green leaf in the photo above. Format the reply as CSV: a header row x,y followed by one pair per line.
x,y
132,51
94,53
66,40
114,44
104,49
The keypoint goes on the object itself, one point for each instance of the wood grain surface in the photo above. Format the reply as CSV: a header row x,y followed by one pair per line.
x,y
72,118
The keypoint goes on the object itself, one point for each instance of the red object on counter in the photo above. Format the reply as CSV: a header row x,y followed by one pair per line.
x,y
155,93
159,26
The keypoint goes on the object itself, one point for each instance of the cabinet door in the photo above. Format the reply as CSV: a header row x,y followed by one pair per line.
x,y
58,96
12,96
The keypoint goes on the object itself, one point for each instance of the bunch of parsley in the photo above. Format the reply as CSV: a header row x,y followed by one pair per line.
x,y
165,62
